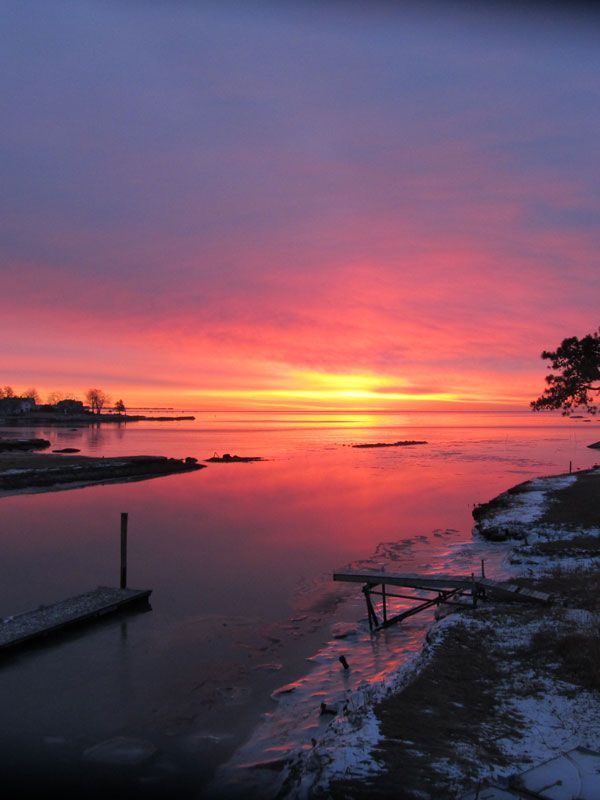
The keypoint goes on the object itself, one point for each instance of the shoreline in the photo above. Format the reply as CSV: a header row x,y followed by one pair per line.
x,y
40,472
494,690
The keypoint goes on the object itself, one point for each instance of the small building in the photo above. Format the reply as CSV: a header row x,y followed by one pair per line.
x,y
70,406
13,406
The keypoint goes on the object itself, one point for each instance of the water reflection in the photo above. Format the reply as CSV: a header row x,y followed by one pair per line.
x,y
239,557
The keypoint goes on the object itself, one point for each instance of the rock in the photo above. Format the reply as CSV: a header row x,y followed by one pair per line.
x,y
227,458
595,446
122,751
68,450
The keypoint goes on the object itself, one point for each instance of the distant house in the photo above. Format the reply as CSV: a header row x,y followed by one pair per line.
x,y
12,406
70,406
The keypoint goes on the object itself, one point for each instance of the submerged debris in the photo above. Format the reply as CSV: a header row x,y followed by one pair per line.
x,y
122,751
227,458
405,443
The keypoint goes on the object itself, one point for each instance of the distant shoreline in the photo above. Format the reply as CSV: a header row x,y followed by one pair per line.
x,y
56,418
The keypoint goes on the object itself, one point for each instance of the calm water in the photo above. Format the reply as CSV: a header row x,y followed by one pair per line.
x,y
239,557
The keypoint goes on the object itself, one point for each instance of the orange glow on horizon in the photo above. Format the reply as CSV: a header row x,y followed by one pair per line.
x,y
310,391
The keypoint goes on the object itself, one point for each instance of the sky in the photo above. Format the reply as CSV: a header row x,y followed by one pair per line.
x,y
296,205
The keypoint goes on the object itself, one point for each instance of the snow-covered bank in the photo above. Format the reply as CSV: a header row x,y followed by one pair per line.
x,y
512,514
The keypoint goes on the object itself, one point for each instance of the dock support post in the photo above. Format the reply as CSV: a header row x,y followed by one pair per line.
x,y
384,604
124,518
373,621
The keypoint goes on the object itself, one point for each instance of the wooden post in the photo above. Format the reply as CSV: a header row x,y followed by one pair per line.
x,y
483,567
570,466
384,604
124,517
373,621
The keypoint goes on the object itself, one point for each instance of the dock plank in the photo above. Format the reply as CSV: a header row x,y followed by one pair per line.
x,y
45,620
411,580
502,589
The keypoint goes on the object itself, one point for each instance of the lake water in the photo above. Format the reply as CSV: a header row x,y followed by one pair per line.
x,y
239,558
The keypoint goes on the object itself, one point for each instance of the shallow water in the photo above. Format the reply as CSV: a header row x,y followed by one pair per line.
x,y
239,557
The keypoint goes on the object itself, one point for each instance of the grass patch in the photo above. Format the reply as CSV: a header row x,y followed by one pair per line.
x,y
578,546
572,588
571,657
576,506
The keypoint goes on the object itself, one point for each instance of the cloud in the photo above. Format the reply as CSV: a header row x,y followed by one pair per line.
x,y
216,199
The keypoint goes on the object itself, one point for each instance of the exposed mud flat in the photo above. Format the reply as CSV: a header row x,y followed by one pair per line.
x,y
22,445
42,472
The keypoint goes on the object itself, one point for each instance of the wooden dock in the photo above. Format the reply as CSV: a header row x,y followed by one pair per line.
x,y
46,620
445,589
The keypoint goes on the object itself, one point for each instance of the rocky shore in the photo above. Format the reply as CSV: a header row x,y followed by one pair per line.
x,y
38,472
496,689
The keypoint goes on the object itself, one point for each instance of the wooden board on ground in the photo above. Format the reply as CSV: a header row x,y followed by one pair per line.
x,y
24,628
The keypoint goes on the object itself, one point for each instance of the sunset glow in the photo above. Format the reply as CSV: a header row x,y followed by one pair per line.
x,y
299,390
393,210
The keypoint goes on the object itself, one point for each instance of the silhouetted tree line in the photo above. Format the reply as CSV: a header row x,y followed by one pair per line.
x,y
96,399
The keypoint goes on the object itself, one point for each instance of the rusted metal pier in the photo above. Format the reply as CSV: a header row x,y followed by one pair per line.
x,y
441,589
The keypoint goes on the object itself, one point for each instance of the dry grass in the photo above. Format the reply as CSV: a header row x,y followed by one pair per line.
x,y
576,506
571,657
579,546
572,588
